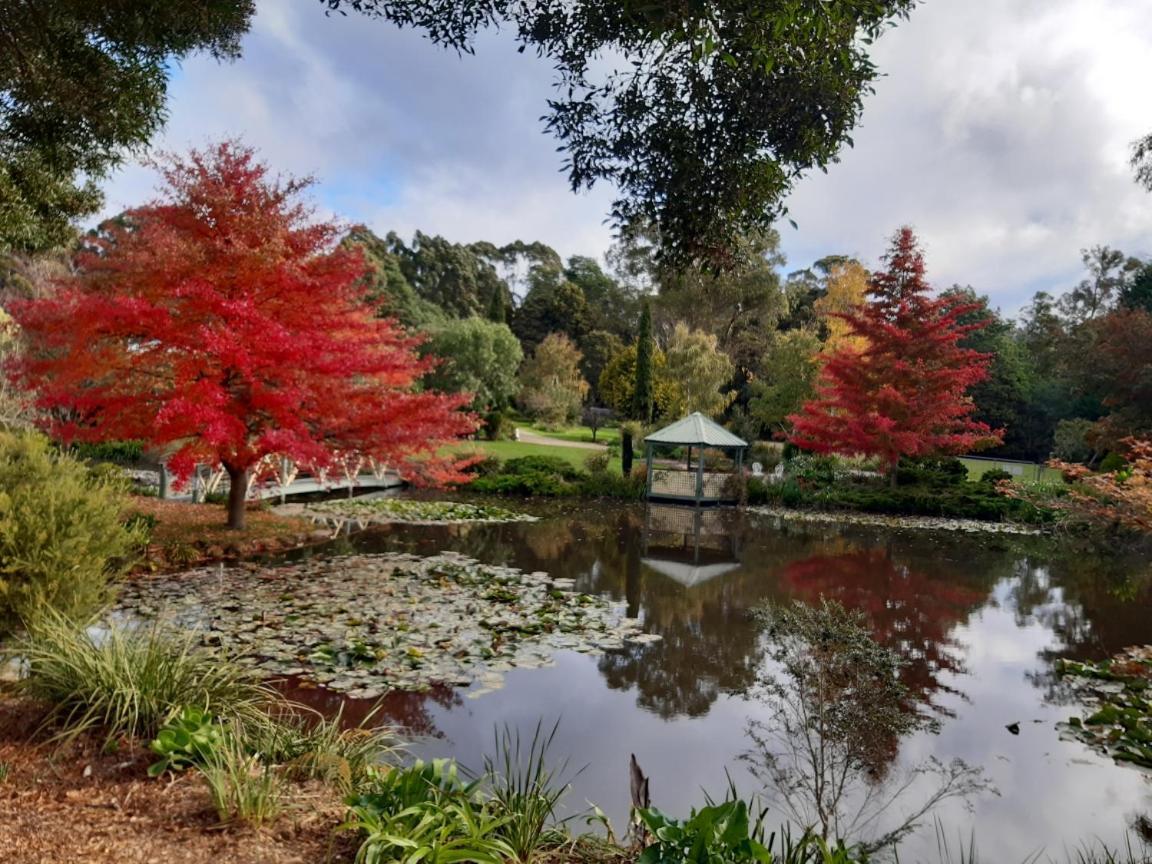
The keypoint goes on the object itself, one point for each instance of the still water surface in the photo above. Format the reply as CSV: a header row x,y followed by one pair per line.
x,y
980,621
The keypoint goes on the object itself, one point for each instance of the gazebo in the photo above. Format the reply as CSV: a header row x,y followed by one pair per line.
x,y
719,454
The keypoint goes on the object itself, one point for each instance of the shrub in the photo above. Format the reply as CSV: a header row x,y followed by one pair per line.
x,y
128,681
995,475
931,472
597,463
62,538
524,465
532,475
1112,463
499,427
116,452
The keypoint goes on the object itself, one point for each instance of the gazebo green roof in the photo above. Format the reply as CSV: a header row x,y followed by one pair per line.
x,y
696,429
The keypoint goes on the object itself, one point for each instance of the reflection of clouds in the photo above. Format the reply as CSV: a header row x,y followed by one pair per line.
x,y
1032,605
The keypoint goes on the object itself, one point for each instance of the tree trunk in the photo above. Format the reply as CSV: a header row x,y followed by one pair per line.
x,y
237,497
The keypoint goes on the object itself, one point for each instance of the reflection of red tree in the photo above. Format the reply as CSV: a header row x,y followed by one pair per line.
x,y
909,612
406,710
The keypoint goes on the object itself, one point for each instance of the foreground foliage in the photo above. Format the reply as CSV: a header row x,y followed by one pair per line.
x,y
1118,500
128,681
63,538
705,114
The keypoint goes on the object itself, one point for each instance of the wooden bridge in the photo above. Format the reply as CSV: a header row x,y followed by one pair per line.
x,y
278,477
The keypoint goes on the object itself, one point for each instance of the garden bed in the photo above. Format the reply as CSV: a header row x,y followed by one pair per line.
x,y
367,624
184,534
91,803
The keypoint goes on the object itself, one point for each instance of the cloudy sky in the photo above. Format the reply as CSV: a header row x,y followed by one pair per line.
x,y
1000,131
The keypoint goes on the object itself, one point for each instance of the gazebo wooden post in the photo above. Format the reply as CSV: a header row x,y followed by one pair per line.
x,y
700,475
648,459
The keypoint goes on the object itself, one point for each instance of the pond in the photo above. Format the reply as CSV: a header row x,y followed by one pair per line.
x,y
980,621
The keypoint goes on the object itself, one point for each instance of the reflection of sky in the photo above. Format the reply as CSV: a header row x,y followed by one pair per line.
x,y
1053,794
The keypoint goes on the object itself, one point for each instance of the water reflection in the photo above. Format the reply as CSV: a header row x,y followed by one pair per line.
x,y
835,713
977,620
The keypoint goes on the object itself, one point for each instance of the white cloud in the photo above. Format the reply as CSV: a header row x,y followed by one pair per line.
x,y
1000,132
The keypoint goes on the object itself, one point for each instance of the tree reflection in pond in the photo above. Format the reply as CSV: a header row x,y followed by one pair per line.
x,y
836,711
906,610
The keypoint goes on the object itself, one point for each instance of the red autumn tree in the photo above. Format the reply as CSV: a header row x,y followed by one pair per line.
x,y
904,393
223,322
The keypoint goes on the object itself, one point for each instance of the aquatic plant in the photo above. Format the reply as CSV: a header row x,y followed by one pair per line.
x,y
1121,690
526,790
128,680
407,510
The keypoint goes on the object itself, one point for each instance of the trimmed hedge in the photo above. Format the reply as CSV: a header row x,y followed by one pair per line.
x,y
552,477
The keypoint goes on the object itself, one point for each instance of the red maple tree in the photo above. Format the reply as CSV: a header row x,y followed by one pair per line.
x,y
905,392
223,323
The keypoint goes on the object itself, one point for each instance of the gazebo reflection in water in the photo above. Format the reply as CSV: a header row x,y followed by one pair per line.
x,y
691,545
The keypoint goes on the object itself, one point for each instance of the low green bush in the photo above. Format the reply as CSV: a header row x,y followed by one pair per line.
x,y
931,472
968,501
995,475
1111,463
425,814
63,538
532,475
116,452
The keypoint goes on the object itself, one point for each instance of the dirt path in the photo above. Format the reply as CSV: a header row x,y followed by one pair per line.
x,y
529,437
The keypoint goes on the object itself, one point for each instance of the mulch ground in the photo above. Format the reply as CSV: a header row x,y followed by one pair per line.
x,y
187,534
80,805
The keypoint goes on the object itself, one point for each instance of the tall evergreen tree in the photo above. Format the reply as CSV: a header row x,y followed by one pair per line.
x,y
643,397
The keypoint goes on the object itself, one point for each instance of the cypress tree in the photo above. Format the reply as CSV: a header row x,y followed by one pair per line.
x,y
642,406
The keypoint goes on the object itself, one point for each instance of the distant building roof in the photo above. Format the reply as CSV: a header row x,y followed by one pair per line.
x,y
696,429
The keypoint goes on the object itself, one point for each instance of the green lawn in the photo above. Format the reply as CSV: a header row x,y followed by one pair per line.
x,y
1030,472
515,449
577,433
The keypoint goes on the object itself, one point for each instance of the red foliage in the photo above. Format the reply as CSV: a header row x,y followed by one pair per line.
x,y
913,613
224,323
905,392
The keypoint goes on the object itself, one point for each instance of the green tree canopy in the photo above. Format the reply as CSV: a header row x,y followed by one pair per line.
x,y
478,357
460,279
701,372
702,115
386,285
553,305
617,385
551,387
82,83
787,382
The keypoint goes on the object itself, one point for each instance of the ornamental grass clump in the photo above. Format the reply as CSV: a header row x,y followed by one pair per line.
x,y
63,536
526,790
128,680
